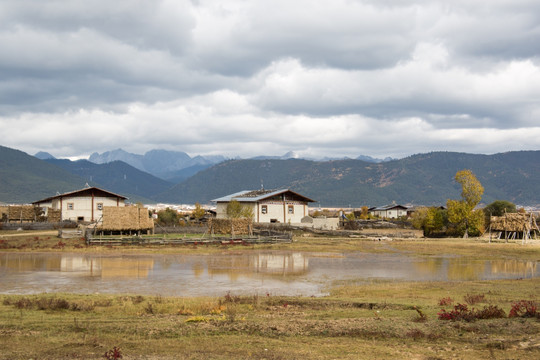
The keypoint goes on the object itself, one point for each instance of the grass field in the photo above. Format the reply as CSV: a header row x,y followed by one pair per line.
x,y
358,320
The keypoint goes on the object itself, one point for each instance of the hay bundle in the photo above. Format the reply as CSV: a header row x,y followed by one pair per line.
x,y
54,215
3,212
230,226
126,218
145,221
514,222
21,213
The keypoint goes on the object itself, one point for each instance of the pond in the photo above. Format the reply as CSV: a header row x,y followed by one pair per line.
x,y
264,272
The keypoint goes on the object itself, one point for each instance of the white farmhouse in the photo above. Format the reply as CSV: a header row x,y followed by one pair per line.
x,y
82,205
269,206
389,211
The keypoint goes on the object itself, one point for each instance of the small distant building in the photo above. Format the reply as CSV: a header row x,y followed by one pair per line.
x,y
393,211
269,206
81,205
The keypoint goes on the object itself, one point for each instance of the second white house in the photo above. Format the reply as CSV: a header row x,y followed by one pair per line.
x,y
269,206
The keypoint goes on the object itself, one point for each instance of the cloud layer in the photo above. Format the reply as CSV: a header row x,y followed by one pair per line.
x,y
340,78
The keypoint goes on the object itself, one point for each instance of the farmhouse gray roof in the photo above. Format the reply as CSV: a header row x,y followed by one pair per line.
x,y
388,207
82,192
258,195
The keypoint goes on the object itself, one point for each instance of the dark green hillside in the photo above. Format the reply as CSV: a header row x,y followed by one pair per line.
x,y
419,179
235,175
24,178
116,176
178,176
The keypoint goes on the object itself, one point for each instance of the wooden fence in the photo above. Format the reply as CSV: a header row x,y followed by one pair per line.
x,y
220,240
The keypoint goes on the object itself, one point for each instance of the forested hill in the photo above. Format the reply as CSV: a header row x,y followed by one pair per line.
x,y
419,179
425,179
24,178
116,176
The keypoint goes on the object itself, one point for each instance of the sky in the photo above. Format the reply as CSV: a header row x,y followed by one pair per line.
x,y
384,78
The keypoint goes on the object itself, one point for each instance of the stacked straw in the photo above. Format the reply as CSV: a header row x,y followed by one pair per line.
x,y
21,213
54,215
126,218
511,222
230,226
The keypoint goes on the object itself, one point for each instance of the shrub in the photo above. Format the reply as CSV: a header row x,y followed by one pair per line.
x,y
23,303
524,308
490,312
51,304
462,312
113,354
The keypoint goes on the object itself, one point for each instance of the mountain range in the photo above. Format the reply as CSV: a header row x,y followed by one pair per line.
x,y
419,179
176,166
173,166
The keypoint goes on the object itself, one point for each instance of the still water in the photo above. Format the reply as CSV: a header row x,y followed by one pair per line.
x,y
275,273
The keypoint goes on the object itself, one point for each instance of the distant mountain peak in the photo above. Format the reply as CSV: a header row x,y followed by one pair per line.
x,y
290,155
370,159
42,155
164,164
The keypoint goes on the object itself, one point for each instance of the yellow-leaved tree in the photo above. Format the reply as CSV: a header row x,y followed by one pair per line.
x,y
199,211
236,210
461,212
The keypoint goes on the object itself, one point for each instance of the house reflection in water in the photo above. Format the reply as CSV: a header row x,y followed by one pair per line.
x,y
256,264
24,262
106,267
109,267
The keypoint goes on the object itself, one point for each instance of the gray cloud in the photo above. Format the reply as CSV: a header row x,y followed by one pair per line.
x,y
383,78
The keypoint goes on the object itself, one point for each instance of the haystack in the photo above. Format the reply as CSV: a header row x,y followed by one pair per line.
x,y
128,218
515,222
230,226
54,215
21,213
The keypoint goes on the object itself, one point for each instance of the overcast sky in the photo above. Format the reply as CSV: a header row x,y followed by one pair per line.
x,y
247,78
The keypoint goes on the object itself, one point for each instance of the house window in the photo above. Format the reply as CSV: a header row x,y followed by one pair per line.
x,y
70,206
264,209
291,209
100,206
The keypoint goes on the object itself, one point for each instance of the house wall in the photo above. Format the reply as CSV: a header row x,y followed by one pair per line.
x,y
82,206
390,214
275,211
395,213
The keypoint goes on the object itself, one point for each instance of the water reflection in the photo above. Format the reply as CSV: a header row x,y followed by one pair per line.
x,y
259,263
462,269
286,273
104,267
